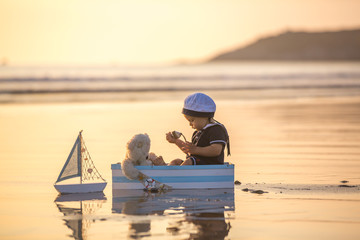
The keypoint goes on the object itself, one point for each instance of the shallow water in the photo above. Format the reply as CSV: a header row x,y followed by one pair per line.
x,y
296,150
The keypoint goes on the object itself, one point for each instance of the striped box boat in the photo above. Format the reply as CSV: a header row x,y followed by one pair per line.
x,y
179,177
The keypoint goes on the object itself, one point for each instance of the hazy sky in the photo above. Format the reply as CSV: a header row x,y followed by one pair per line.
x,y
154,31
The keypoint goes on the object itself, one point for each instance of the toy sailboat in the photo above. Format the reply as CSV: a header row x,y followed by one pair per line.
x,y
79,164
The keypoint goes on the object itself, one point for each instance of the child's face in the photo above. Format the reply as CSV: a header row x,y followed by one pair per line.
x,y
197,123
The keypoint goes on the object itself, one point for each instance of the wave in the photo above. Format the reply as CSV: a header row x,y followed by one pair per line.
x,y
170,89
243,81
317,76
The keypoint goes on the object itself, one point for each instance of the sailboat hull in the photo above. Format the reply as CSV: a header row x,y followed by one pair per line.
x,y
80,188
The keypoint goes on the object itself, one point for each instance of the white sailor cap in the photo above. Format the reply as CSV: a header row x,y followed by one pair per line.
x,y
199,105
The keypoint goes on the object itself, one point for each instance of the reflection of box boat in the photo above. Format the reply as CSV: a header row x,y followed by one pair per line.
x,y
138,202
201,213
179,177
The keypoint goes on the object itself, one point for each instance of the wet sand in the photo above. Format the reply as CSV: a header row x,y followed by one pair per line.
x,y
297,151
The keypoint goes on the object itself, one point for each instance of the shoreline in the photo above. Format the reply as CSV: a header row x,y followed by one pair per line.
x,y
242,95
308,190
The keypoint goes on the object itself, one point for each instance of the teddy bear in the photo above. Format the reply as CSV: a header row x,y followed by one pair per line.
x,y
137,154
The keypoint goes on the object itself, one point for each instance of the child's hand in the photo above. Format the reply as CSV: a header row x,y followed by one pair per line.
x,y
189,148
170,138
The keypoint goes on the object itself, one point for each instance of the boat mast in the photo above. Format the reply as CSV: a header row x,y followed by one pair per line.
x,y
81,155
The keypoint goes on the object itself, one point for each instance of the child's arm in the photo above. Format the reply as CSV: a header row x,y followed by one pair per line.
x,y
209,151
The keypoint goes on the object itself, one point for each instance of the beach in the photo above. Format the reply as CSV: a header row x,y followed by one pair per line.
x,y
296,154
79,79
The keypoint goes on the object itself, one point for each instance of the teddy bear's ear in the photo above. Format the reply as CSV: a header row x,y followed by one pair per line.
x,y
148,138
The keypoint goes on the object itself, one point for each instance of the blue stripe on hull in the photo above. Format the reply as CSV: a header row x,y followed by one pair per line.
x,y
176,179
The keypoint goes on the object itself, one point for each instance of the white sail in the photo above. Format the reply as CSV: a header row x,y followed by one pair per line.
x,y
72,166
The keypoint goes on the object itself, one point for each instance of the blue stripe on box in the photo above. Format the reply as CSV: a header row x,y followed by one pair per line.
x,y
175,179
197,167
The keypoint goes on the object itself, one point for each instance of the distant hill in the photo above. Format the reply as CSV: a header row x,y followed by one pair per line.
x,y
302,46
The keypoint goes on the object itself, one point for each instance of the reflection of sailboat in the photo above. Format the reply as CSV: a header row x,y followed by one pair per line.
x,y
77,208
79,164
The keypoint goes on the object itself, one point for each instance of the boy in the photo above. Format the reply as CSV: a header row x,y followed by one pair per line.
x,y
209,139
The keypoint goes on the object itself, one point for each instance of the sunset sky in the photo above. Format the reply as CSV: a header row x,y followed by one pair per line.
x,y
154,31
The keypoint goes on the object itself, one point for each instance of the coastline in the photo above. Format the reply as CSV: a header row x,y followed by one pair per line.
x,y
256,95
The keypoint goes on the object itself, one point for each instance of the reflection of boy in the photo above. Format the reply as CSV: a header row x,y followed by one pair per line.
x,y
209,139
210,225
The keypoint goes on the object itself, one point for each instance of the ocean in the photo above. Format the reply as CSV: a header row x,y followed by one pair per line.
x,y
248,80
294,133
